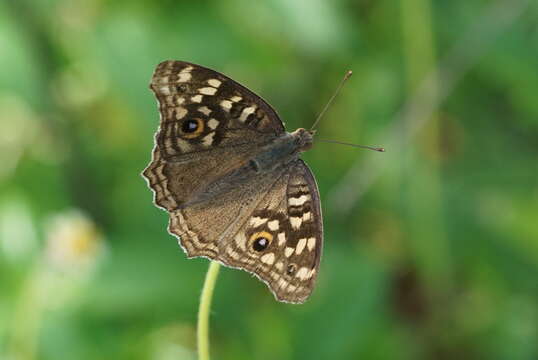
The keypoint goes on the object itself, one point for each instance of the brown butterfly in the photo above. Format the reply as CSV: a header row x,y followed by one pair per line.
x,y
231,179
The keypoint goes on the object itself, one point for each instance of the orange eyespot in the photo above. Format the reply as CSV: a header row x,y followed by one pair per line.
x,y
191,128
260,241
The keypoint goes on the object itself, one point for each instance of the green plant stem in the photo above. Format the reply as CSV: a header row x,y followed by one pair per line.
x,y
204,310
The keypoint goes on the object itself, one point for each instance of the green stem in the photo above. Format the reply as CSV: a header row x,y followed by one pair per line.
x,y
204,309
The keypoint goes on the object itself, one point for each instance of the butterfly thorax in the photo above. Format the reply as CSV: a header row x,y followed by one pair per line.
x,y
283,150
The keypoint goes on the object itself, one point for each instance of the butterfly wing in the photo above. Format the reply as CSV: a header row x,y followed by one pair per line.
x,y
219,205
270,226
291,218
209,125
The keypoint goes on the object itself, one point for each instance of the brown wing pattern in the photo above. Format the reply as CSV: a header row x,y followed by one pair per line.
x,y
209,126
275,232
220,206
224,112
290,218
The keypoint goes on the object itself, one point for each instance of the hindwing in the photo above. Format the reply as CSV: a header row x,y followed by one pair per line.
x,y
269,226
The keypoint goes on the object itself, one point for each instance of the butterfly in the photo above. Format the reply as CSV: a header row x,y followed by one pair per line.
x,y
231,179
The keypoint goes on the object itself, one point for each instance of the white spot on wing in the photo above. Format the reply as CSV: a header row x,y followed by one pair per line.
x,y
186,69
208,139
213,123
246,112
165,90
236,98
268,258
298,201
300,246
226,104
281,239
302,273
204,110
296,222
180,113
257,221
273,225
307,216
207,90
184,77
214,82
311,243
196,98
288,251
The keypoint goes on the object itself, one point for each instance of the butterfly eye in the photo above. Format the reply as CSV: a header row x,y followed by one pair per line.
x,y
191,128
260,240
291,269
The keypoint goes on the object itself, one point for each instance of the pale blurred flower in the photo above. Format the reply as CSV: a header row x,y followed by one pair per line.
x,y
73,243
73,249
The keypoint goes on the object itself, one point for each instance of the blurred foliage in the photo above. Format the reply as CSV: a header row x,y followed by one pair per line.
x,y
431,249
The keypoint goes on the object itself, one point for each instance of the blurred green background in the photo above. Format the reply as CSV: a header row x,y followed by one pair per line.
x,y
431,249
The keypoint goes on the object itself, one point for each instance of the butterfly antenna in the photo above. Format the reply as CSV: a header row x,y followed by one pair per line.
x,y
380,149
346,76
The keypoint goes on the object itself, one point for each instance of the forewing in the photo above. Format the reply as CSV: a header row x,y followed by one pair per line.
x,y
230,125
230,114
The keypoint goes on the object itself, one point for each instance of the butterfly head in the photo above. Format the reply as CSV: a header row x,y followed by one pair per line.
x,y
303,139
